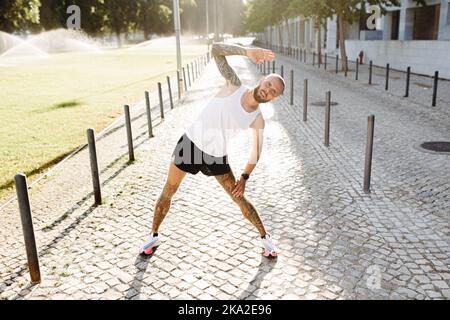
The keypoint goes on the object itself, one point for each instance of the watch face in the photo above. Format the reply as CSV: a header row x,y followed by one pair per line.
x,y
245,176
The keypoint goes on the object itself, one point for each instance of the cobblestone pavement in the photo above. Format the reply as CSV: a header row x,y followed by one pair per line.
x,y
336,242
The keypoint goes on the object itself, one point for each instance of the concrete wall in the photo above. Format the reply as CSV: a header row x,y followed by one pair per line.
x,y
424,57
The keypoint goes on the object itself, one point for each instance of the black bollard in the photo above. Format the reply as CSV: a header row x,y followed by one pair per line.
x,y
273,66
170,92
129,133
370,71
337,63
27,227
282,71
435,86
149,115
408,77
327,119
184,79
369,151
94,167
387,77
346,65
314,58
161,105
325,62
357,69
179,84
189,74
305,100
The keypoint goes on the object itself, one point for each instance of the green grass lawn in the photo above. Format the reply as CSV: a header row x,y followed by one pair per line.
x,y
48,104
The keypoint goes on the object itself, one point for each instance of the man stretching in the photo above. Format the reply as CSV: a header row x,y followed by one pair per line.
x,y
204,145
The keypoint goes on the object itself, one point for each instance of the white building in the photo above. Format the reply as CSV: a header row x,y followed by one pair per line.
x,y
409,35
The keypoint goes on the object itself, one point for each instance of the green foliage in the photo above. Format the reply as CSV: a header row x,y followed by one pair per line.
x,y
97,16
18,15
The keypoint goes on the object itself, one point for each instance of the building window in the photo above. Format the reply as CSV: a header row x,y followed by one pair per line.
x,y
395,25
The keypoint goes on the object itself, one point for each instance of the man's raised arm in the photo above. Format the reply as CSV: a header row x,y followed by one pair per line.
x,y
219,51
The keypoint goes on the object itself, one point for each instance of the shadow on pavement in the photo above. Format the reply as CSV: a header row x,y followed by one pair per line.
x,y
264,268
141,264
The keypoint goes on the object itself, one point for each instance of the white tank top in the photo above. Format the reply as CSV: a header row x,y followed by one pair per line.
x,y
221,119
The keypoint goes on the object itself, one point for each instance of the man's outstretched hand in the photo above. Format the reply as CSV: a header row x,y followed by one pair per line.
x,y
239,188
258,55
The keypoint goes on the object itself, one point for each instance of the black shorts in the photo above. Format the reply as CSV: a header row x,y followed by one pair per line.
x,y
189,158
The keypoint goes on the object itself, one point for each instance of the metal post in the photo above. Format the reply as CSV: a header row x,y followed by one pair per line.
x,y
346,65
305,100
292,87
179,84
170,92
387,77
27,227
325,62
94,166
193,72
435,86
370,71
264,72
161,105
408,77
314,59
273,66
337,63
327,119
357,68
149,115
369,151
189,74
184,79
129,133
304,55
177,24
301,55
282,71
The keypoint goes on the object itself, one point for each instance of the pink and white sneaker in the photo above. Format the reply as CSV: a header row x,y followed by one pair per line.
x,y
148,248
269,248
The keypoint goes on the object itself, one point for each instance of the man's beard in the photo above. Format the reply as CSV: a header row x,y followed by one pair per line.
x,y
257,95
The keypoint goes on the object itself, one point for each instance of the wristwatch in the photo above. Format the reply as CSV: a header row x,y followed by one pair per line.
x,y
245,176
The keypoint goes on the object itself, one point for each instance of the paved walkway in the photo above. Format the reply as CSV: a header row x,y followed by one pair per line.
x,y
336,242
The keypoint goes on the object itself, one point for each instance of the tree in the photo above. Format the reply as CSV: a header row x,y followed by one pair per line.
x,y
18,15
346,12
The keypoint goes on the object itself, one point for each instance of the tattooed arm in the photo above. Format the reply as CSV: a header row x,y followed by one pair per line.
x,y
219,51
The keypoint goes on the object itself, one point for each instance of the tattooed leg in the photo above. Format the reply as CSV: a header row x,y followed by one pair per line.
x,y
174,180
248,210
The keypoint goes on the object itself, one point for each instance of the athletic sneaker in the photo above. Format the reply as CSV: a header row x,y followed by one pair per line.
x,y
269,248
149,245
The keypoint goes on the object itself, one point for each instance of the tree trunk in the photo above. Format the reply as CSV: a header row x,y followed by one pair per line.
x,y
119,41
342,42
